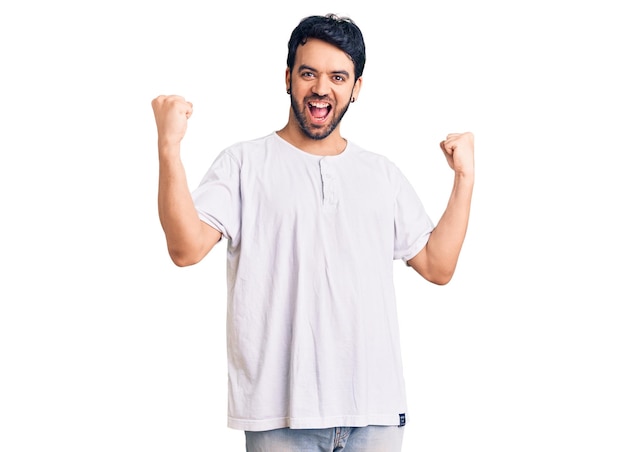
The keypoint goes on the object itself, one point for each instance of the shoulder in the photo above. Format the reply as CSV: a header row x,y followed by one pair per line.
x,y
376,161
244,150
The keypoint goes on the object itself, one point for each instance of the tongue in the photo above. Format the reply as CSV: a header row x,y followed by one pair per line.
x,y
318,113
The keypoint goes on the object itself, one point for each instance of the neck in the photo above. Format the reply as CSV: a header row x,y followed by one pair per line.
x,y
333,144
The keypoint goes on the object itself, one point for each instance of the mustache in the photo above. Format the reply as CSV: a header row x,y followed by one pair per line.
x,y
316,98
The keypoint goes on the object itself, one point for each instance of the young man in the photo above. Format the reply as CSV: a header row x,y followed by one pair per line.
x,y
313,223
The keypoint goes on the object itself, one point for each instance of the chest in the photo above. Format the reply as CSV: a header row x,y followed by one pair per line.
x,y
305,188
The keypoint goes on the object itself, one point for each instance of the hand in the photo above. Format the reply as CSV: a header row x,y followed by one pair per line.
x,y
459,151
171,114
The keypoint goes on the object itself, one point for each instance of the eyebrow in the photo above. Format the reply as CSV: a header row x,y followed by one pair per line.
x,y
309,68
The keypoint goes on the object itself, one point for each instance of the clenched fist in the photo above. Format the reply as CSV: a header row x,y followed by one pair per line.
x,y
459,151
171,114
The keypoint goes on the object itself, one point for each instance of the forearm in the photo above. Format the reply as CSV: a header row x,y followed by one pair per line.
x,y
437,261
179,219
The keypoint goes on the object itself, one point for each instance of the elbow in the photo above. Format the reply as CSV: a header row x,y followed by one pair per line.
x,y
185,253
441,280
434,272
184,259
441,277
183,262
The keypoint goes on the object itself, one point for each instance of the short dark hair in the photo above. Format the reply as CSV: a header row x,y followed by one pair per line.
x,y
341,32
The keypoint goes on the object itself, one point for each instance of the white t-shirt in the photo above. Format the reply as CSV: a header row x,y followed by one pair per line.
x,y
312,326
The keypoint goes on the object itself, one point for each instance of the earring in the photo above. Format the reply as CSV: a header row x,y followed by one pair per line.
x,y
353,100
288,91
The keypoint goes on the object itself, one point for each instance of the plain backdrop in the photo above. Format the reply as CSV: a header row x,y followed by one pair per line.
x,y
105,345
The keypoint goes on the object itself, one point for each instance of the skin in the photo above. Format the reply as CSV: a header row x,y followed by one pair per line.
x,y
188,238
437,261
323,75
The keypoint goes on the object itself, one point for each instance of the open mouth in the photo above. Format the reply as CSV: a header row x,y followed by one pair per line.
x,y
319,110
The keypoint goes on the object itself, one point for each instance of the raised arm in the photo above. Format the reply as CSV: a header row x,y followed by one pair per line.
x,y
188,238
437,261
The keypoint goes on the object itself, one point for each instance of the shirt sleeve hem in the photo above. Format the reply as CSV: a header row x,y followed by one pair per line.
x,y
412,251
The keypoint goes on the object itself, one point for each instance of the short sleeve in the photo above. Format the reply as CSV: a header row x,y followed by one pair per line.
x,y
218,198
412,224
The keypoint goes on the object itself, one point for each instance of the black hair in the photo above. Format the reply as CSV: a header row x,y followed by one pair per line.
x,y
341,32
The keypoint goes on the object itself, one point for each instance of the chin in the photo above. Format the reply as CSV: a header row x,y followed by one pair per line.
x,y
317,134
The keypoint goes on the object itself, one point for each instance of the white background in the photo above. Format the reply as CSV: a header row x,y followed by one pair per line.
x,y
105,345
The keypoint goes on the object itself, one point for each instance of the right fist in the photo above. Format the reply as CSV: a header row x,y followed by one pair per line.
x,y
171,114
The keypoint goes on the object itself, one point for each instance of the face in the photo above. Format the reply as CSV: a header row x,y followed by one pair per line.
x,y
322,85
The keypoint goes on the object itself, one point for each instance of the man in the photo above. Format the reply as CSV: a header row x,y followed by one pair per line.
x,y
313,223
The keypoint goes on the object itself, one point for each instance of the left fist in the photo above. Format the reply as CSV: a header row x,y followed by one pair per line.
x,y
459,151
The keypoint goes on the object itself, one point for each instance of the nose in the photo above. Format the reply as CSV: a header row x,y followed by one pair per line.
x,y
321,86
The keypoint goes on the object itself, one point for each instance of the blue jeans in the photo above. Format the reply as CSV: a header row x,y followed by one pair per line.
x,y
345,439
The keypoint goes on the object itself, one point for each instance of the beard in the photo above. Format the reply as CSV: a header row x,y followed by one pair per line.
x,y
311,131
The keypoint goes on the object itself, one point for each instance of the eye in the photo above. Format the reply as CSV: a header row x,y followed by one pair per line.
x,y
307,74
339,78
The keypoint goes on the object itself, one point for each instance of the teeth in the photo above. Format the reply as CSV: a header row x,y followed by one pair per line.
x,y
319,104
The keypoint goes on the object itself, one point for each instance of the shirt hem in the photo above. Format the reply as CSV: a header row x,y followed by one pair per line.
x,y
255,425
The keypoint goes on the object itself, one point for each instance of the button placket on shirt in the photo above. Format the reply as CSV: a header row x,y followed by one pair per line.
x,y
329,184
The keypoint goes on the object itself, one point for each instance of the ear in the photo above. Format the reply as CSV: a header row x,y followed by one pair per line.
x,y
287,79
357,88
